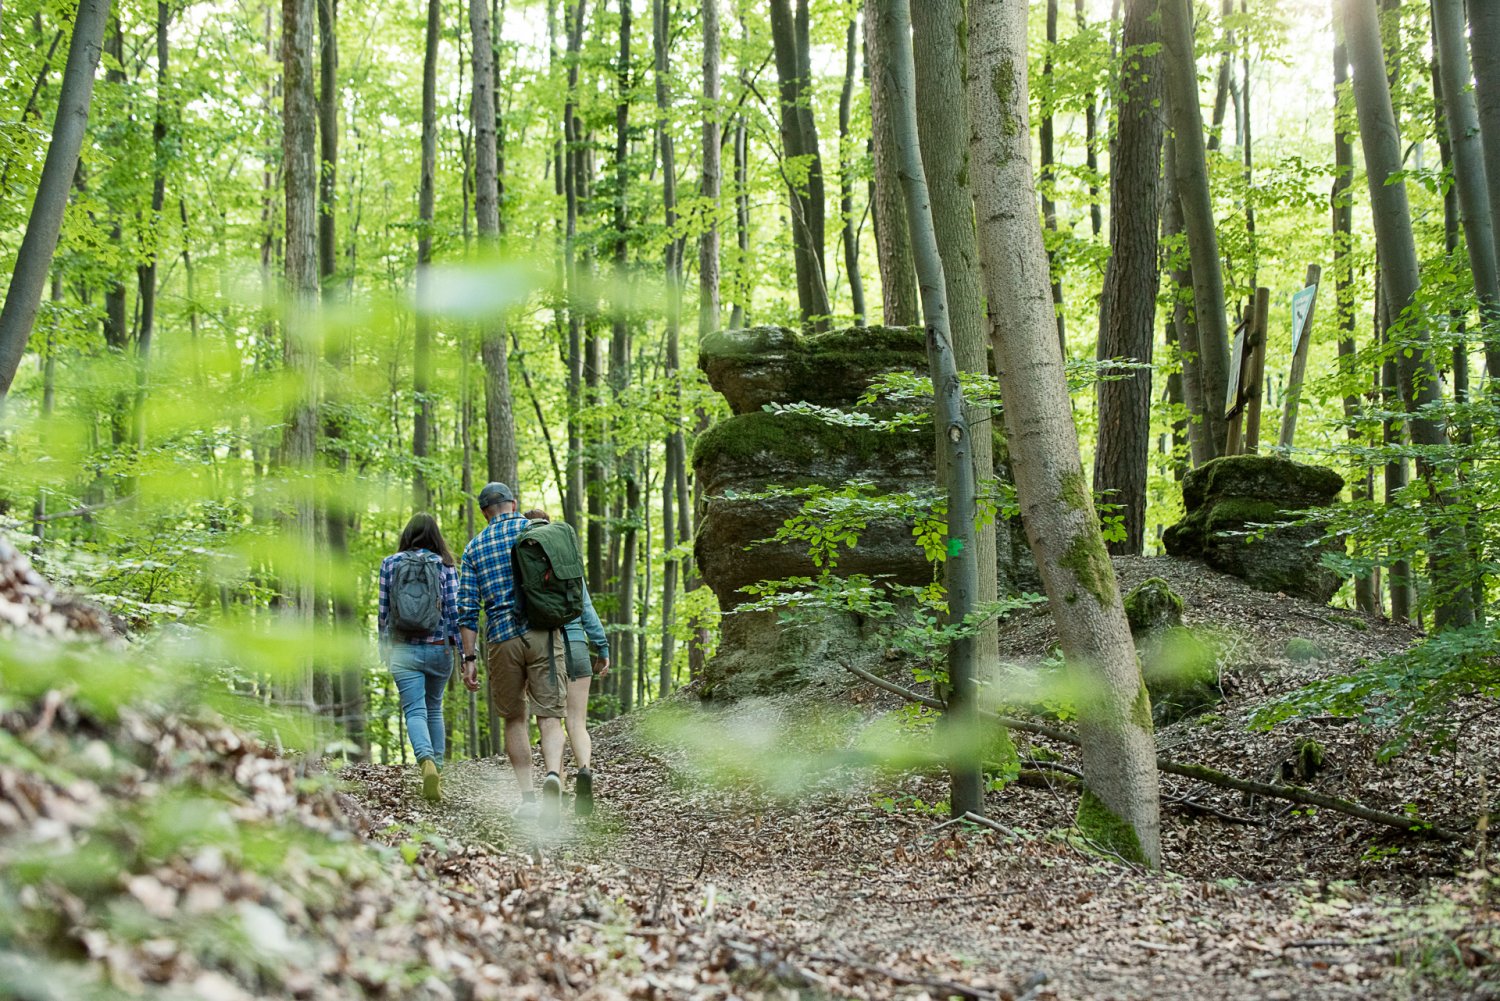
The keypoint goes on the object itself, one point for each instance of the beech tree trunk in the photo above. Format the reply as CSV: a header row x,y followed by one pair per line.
x,y
1200,447
846,176
1127,308
500,422
1400,274
711,176
328,141
1049,175
898,275
34,259
962,568
422,372
943,131
674,474
1484,41
1191,169
1469,175
1119,756
799,139
146,270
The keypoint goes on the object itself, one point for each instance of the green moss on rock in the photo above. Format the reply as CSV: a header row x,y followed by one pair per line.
x,y
1152,604
1103,828
798,439
1303,650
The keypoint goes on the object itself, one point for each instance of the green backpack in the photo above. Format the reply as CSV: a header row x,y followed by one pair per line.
x,y
549,575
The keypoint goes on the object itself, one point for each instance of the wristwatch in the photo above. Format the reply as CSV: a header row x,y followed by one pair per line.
x,y
470,657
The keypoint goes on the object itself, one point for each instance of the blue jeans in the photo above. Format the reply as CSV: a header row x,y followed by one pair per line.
x,y
421,671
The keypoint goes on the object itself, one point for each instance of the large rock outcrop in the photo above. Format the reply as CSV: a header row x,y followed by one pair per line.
x,y
1229,500
740,460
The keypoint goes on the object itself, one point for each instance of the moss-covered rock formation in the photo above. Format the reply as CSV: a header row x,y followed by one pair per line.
x,y
761,365
1152,605
1228,503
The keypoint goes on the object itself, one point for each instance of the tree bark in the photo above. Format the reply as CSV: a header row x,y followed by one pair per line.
x,y
1484,41
1191,169
328,141
571,161
962,569
1416,371
804,177
898,275
846,176
500,422
1091,138
422,372
146,271
1469,175
711,177
1048,179
1127,308
675,450
34,259
943,130
1114,711
1200,447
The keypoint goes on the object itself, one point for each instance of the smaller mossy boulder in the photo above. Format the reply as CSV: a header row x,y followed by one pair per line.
x,y
1301,650
1152,605
1181,671
1238,518
759,365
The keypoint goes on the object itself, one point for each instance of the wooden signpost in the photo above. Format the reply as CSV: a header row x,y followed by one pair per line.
x,y
1303,304
1247,368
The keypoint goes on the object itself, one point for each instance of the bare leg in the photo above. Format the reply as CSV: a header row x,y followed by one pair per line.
x,y
518,749
552,742
578,721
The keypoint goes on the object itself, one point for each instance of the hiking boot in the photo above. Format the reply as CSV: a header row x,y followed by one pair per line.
x,y
528,811
551,800
583,792
432,783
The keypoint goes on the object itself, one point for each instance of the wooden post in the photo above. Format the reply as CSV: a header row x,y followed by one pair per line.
x,y
1234,403
1255,369
1300,347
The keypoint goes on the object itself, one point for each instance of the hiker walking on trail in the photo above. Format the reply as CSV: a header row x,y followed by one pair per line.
x,y
584,631
520,661
418,627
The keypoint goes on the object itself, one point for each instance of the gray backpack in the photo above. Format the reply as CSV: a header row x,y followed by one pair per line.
x,y
416,595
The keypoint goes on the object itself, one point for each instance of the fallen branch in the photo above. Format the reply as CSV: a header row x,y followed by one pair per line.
x,y
1197,807
975,818
1273,790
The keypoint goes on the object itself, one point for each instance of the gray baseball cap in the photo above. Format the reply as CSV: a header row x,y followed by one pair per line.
x,y
495,493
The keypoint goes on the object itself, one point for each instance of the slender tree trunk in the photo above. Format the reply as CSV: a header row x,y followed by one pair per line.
x,y
943,131
1416,370
1119,756
711,177
500,423
1223,79
328,141
846,176
1247,147
1091,138
1362,486
116,323
422,371
1127,308
573,494
1200,447
146,271
799,139
1469,175
739,315
1484,42
962,570
675,448
300,176
898,275
1048,179
1191,171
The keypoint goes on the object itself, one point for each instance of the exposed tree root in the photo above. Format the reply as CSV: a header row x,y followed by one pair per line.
x,y
1212,776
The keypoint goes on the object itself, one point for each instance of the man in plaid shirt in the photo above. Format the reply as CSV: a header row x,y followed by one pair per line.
x,y
516,657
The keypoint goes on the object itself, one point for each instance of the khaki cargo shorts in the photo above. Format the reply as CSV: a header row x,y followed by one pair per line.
x,y
519,668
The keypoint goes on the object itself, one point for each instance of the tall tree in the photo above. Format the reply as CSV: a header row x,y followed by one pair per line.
x,y
1484,41
898,275
500,421
943,131
676,450
1191,168
570,176
1048,185
963,569
34,258
803,163
1400,278
619,367
711,177
846,175
422,371
1127,308
1469,175
328,141
151,252
1119,755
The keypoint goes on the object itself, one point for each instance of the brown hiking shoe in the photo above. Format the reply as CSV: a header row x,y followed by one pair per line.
x,y
432,783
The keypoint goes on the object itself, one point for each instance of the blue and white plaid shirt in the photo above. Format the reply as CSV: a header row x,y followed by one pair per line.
x,y
447,631
489,577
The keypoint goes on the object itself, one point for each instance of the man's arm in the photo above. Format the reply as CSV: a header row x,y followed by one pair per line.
x,y
468,620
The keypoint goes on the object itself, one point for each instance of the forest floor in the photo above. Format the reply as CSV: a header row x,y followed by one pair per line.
x,y
119,872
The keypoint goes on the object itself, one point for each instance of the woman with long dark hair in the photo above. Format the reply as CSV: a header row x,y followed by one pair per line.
x,y
418,631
